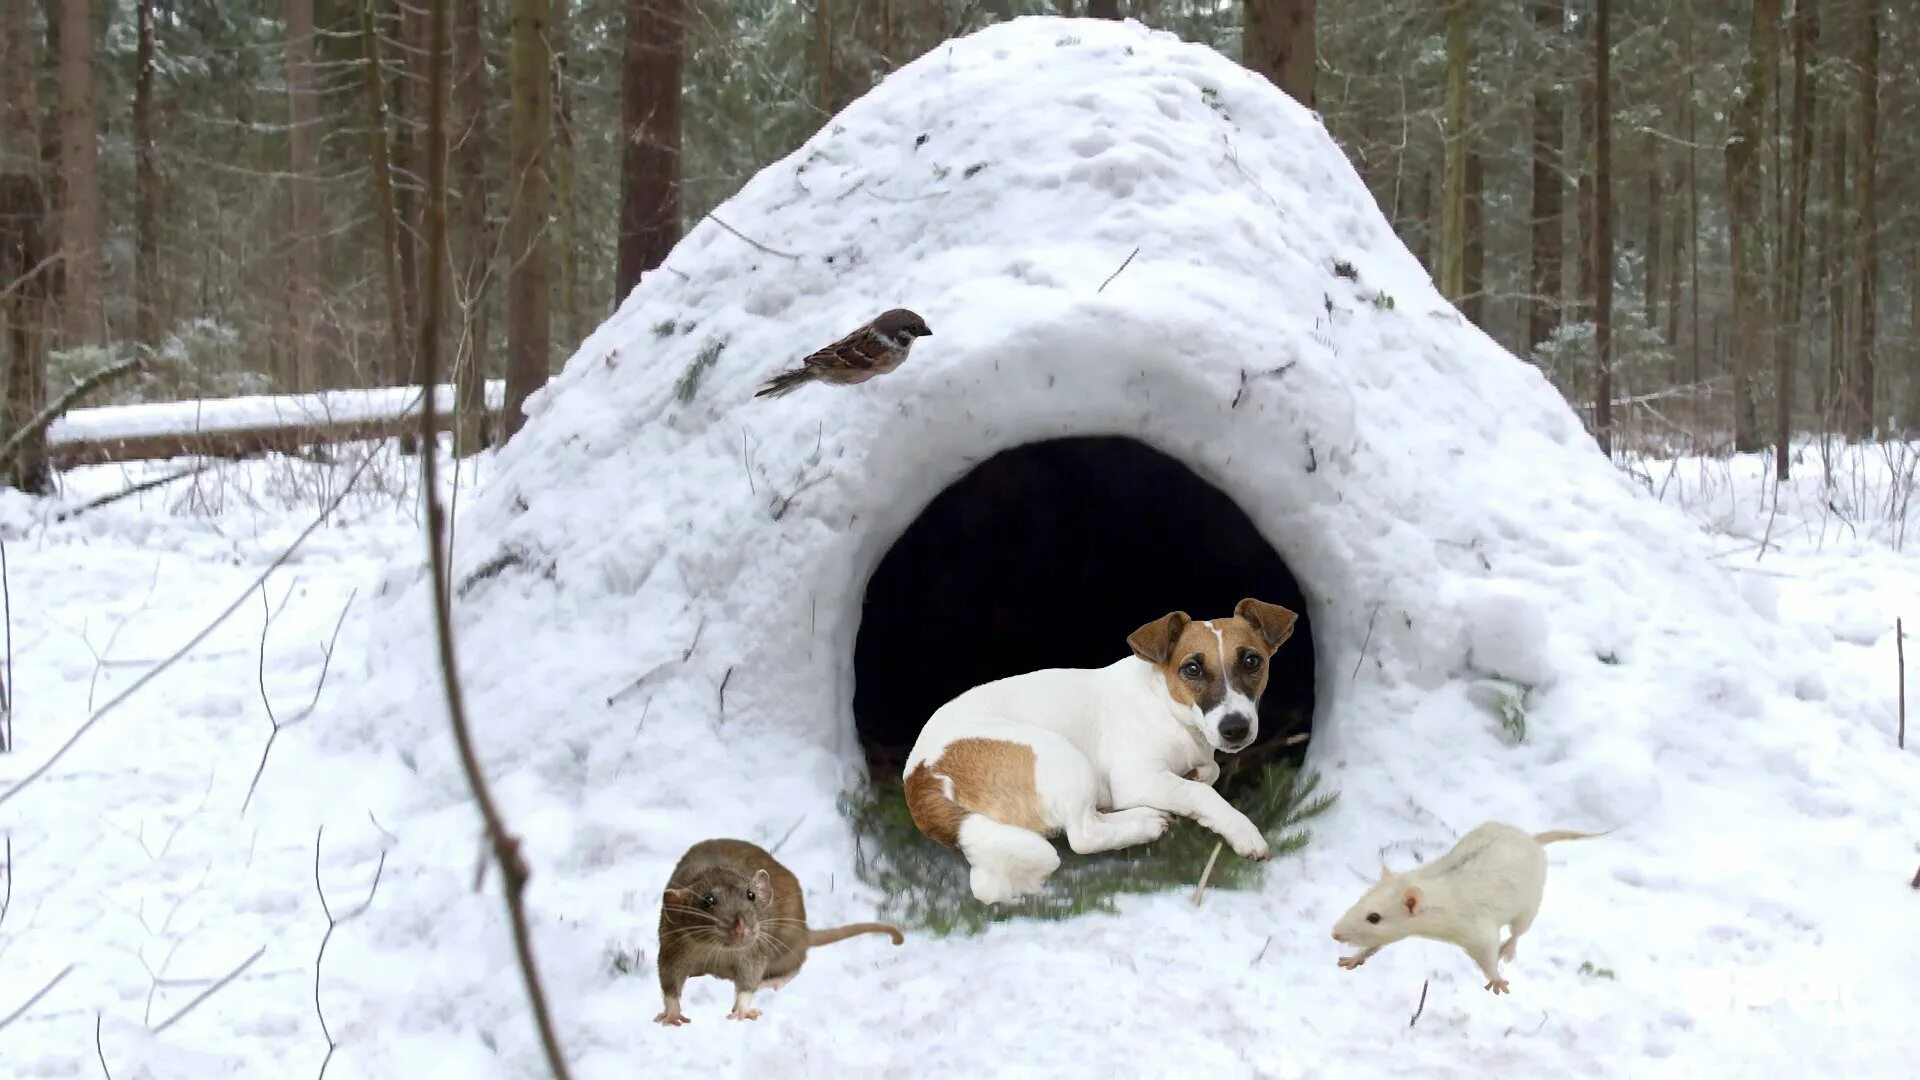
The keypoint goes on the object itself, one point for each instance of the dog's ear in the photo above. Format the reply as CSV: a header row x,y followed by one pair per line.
x,y
1154,641
1274,622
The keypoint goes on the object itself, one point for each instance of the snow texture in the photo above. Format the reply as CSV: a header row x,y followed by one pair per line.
x,y
660,585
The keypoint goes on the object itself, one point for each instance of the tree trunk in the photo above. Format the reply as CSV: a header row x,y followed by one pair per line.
x,y
1786,355
385,209
1424,236
1603,225
146,188
1097,9
433,147
1833,403
1751,308
19,96
1676,255
23,248
1584,286
1865,220
1453,226
471,152
409,101
650,162
565,174
823,57
532,127
82,320
1473,302
1543,302
1278,42
1693,197
303,293
1650,257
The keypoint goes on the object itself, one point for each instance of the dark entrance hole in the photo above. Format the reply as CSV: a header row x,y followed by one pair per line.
x,y
1049,555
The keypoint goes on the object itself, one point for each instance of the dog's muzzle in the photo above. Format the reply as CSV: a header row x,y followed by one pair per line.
x,y
1235,729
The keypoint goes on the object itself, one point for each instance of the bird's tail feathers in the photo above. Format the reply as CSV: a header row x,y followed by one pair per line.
x,y
785,383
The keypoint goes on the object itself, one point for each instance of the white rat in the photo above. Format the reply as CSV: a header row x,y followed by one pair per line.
x,y
1492,878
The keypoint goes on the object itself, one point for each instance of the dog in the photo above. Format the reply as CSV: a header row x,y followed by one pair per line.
x,y
1104,755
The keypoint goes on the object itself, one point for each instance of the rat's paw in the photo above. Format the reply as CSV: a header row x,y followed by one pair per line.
x,y
750,1014
674,1020
1351,962
1498,986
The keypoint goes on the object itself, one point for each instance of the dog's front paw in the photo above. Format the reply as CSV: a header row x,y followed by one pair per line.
x,y
1252,847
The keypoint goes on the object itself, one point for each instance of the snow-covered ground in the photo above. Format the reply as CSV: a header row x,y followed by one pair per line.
x,y
1722,690
135,863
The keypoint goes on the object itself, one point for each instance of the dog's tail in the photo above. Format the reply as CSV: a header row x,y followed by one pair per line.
x,y
841,933
1554,835
786,382
1007,861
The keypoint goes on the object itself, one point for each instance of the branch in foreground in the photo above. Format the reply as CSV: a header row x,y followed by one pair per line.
x,y
45,417
506,846
119,699
209,991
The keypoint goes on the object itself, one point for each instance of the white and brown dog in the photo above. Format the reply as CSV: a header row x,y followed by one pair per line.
x,y
1008,763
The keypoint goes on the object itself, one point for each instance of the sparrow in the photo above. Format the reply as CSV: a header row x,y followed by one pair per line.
x,y
874,349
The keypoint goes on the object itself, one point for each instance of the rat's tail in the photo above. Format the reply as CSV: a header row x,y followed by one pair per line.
x,y
839,933
786,382
1553,835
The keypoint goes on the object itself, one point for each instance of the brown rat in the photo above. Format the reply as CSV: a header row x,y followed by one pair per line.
x,y
732,911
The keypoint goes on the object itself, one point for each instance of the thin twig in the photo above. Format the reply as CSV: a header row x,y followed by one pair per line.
x,y
1364,642
1262,952
6,864
98,1048
35,999
786,836
1422,1007
326,664
1916,879
1900,651
506,846
771,251
1200,891
137,489
334,922
724,680
193,643
1116,273
7,686
211,990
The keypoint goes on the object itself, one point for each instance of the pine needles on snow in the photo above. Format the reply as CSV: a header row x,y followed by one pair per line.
x,y
925,884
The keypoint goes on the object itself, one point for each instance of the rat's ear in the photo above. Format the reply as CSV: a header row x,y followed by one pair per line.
x,y
762,883
1411,900
1386,875
1154,641
673,897
1274,622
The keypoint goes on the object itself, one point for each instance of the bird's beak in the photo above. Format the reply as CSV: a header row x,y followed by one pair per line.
x,y
924,332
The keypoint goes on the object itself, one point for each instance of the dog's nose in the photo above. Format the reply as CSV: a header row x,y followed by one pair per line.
x,y
1234,728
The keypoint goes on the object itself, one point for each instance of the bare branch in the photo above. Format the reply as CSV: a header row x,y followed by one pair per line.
x,y
333,923
99,1049
137,489
209,991
1128,262
1422,1007
1200,891
193,643
771,251
506,846
35,999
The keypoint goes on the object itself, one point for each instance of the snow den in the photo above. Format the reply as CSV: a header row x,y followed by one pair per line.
x,y
1048,555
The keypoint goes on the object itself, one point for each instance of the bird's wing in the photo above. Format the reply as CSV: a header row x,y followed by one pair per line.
x,y
850,353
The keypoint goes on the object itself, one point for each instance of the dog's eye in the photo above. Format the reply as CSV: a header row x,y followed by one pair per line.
x,y
1251,661
1191,669
1373,917
749,894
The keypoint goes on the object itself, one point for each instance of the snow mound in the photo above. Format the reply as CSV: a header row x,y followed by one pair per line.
x,y
660,589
